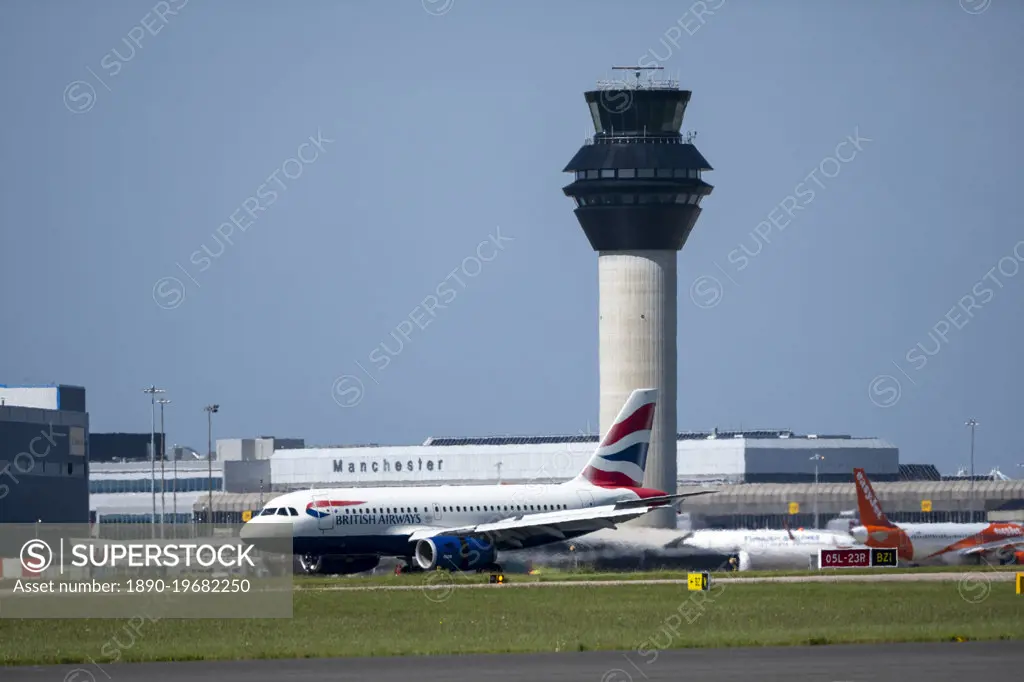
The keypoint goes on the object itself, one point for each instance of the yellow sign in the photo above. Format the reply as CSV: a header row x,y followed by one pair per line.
x,y
697,582
1020,583
926,505
794,507
246,515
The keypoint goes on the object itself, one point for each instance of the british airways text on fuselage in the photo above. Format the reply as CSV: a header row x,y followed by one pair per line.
x,y
376,519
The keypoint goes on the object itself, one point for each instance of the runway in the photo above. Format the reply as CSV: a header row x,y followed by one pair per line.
x,y
851,663
448,581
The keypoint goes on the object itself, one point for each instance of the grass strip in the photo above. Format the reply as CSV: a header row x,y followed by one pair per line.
x,y
642,618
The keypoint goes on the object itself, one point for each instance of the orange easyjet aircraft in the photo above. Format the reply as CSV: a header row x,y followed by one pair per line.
x,y
934,543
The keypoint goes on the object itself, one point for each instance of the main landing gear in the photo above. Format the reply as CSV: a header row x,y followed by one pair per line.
x,y
335,565
311,564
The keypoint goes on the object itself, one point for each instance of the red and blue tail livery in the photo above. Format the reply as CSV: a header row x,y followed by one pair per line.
x,y
621,457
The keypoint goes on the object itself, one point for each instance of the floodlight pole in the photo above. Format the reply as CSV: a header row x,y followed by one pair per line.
x,y
152,391
210,410
816,458
163,456
970,503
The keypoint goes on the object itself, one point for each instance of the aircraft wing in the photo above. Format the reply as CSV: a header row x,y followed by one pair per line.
x,y
993,547
677,542
512,533
660,500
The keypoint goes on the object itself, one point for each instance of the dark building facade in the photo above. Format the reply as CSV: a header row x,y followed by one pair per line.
x,y
44,455
127,447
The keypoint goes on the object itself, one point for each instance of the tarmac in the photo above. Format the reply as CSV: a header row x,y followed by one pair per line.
x,y
952,662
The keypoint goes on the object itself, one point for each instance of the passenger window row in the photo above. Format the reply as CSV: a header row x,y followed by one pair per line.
x,y
461,508
289,511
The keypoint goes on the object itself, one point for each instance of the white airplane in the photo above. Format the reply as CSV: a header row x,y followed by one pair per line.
x,y
462,528
935,543
767,549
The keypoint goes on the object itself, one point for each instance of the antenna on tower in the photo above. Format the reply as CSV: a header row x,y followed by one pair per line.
x,y
636,71
650,84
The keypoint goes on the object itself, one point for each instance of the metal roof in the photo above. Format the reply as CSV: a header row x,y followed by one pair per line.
x,y
811,440
142,503
101,471
775,493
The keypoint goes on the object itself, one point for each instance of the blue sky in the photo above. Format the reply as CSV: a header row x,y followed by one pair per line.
x,y
396,138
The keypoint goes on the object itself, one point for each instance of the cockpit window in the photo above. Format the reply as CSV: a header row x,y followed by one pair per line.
x,y
292,511
283,511
269,511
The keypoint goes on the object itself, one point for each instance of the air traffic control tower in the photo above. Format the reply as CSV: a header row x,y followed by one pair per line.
x,y
638,190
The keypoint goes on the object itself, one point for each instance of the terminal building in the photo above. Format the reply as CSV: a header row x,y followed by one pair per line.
x,y
701,458
44,458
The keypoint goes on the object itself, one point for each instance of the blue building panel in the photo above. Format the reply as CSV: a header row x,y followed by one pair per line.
x,y
40,477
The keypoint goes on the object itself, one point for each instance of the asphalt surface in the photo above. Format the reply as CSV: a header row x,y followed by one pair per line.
x,y
951,662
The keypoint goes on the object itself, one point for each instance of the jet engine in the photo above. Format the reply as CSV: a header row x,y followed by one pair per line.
x,y
1009,555
454,553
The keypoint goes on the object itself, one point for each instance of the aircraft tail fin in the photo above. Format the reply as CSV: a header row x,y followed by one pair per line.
x,y
785,524
621,457
870,509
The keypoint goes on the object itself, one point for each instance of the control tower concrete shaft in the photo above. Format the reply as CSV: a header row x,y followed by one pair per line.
x,y
638,190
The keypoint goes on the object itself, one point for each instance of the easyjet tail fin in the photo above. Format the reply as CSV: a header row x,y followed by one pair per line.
x,y
621,457
868,506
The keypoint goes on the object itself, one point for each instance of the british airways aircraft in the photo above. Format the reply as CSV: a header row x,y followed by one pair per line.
x,y
462,528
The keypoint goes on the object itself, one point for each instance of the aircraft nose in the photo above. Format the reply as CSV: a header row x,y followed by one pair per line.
x,y
860,534
249,531
269,536
253,531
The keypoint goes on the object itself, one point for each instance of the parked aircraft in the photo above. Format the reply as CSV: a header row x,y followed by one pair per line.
x,y
935,543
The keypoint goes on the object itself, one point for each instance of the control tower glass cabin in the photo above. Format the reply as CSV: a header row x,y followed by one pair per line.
x,y
638,182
